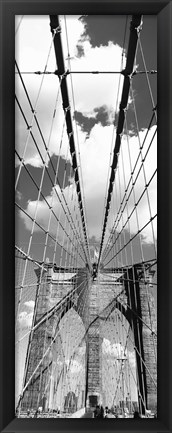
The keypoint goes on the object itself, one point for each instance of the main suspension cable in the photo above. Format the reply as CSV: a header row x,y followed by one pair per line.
x,y
135,25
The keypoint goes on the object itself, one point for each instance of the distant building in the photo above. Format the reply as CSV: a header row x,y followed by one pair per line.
x,y
70,405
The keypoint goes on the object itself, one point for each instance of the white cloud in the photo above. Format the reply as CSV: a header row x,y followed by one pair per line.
x,y
46,218
117,350
31,55
96,90
30,304
25,320
95,158
25,317
75,28
147,205
90,91
95,173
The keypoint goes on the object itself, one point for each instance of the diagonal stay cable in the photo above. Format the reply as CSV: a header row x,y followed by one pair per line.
x,y
46,169
139,231
44,143
125,198
19,24
47,202
41,227
130,215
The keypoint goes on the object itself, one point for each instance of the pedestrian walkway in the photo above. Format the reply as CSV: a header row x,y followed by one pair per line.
x,y
88,415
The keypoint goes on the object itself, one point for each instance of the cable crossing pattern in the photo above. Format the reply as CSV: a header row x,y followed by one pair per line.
x,y
85,254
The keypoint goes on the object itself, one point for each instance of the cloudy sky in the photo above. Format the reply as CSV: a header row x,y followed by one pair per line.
x,y
94,100
90,43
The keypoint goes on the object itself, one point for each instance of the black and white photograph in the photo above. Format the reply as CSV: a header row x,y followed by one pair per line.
x,y
86,216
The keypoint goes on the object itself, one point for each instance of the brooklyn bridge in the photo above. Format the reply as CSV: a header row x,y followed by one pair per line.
x,y
86,323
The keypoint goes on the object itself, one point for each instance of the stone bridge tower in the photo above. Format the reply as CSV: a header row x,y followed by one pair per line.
x,y
100,299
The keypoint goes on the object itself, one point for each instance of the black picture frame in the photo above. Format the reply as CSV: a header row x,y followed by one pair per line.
x,y
8,10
